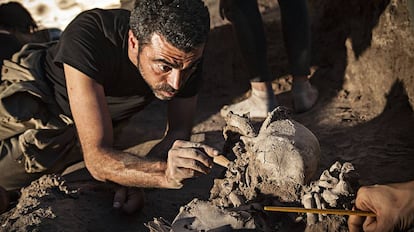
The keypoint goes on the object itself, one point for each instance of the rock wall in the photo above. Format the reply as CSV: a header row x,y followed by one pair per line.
x,y
368,45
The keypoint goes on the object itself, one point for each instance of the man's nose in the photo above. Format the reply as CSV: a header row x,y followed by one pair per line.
x,y
174,79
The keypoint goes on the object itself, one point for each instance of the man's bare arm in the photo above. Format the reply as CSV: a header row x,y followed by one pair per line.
x,y
94,126
93,122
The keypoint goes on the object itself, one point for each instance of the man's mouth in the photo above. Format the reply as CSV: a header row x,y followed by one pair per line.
x,y
165,92
168,93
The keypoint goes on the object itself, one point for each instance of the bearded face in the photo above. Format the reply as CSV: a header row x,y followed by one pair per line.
x,y
166,68
161,90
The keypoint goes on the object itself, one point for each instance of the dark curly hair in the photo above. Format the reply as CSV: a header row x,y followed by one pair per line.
x,y
183,23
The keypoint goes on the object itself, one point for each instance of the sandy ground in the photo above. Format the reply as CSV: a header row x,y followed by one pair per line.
x,y
362,63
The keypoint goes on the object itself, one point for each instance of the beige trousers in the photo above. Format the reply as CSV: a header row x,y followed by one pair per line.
x,y
35,138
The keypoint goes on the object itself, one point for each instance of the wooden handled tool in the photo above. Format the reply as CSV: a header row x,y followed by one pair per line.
x,y
320,211
221,160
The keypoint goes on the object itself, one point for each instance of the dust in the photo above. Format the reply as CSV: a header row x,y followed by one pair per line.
x,y
33,206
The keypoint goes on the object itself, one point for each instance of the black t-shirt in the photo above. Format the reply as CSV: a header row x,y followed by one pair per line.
x,y
96,43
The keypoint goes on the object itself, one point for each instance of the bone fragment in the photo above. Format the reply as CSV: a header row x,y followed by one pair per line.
x,y
307,203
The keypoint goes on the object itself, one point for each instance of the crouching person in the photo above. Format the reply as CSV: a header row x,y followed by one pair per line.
x,y
58,101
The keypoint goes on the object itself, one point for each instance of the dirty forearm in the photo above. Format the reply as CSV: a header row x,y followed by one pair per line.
x,y
126,169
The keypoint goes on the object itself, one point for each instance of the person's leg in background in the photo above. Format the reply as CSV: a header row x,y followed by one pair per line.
x,y
297,37
248,25
247,22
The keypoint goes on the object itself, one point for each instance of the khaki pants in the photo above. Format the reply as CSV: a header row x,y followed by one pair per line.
x,y
35,137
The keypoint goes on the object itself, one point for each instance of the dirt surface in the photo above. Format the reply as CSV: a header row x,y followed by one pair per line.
x,y
363,53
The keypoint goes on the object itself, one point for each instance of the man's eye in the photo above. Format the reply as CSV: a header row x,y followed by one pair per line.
x,y
164,68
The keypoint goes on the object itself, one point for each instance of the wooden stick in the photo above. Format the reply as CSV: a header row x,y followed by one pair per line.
x,y
221,160
320,211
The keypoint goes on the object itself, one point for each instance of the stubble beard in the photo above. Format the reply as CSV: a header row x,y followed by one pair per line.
x,y
157,90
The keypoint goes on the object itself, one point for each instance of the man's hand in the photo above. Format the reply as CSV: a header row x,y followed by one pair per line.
x,y
4,200
129,200
187,160
393,205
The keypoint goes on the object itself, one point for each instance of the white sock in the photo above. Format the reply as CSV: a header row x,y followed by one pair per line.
x,y
258,105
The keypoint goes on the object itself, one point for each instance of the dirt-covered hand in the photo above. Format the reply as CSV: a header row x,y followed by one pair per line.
x,y
187,160
4,200
128,200
393,205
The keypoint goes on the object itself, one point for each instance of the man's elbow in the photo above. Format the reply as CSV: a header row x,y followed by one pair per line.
x,y
94,167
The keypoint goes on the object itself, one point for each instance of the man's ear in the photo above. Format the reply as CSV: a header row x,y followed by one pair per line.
x,y
132,43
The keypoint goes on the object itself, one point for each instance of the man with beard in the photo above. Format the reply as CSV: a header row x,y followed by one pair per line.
x,y
107,65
